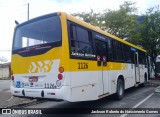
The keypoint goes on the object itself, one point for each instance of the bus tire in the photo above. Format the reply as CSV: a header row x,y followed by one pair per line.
x,y
120,89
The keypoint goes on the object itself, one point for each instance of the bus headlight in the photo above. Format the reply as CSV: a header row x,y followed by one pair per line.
x,y
58,83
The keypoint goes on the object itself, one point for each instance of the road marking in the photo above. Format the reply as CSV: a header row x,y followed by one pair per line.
x,y
138,104
157,90
7,100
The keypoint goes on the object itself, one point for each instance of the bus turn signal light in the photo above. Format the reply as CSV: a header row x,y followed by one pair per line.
x,y
61,69
12,77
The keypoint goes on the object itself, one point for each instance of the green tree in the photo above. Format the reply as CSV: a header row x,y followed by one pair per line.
x,y
90,17
149,32
122,22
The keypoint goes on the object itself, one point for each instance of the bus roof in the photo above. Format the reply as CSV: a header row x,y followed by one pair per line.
x,y
87,25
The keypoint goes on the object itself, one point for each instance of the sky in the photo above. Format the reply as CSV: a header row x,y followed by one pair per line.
x,y
11,10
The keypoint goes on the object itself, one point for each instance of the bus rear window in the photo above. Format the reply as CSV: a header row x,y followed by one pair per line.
x,y
41,31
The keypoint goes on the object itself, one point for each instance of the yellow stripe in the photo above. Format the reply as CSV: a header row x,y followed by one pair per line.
x,y
23,65
92,66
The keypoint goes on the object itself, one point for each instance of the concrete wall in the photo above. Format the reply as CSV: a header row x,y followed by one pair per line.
x,y
4,72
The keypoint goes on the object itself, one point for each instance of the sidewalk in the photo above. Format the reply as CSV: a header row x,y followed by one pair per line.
x,y
156,82
153,82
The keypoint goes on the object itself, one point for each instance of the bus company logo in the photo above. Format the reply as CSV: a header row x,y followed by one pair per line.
x,y
40,66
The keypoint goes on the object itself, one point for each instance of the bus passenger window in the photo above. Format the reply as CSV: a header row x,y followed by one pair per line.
x,y
82,34
74,46
73,32
80,40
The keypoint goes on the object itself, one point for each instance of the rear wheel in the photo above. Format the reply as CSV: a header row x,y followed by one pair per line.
x,y
120,89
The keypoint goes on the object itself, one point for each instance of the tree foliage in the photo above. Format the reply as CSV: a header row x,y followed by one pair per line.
x,y
150,32
122,22
90,17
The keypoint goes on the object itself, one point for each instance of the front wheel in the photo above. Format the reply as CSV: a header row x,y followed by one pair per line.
x,y
120,89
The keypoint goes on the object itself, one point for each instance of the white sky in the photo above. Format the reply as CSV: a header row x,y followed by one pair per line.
x,y
11,10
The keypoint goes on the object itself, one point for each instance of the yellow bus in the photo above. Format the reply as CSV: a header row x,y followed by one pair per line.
x,y
58,56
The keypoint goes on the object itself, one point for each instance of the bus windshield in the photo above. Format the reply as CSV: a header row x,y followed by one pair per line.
x,y
45,30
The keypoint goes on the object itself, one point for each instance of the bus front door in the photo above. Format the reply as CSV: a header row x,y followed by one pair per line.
x,y
101,51
137,69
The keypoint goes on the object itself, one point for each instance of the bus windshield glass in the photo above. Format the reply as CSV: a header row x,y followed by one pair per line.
x,y
45,30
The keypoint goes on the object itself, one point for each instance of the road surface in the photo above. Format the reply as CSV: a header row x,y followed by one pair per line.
x,y
4,84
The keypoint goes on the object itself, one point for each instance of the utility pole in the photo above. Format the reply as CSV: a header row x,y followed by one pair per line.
x,y
28,11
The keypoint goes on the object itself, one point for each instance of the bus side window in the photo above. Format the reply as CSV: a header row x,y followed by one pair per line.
x,y
73,32
142,58
73,37
110,51
127,54
117,51
80,40
85,40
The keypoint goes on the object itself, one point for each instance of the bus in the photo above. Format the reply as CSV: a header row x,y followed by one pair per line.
x,y
157,68
57,56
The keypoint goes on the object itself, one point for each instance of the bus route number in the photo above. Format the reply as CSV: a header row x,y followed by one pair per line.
x,y
82,65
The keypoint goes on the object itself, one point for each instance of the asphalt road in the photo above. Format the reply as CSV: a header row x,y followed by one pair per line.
x,y
141,97
4,85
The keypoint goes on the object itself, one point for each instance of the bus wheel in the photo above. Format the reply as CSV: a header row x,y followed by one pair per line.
x,y
120,89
